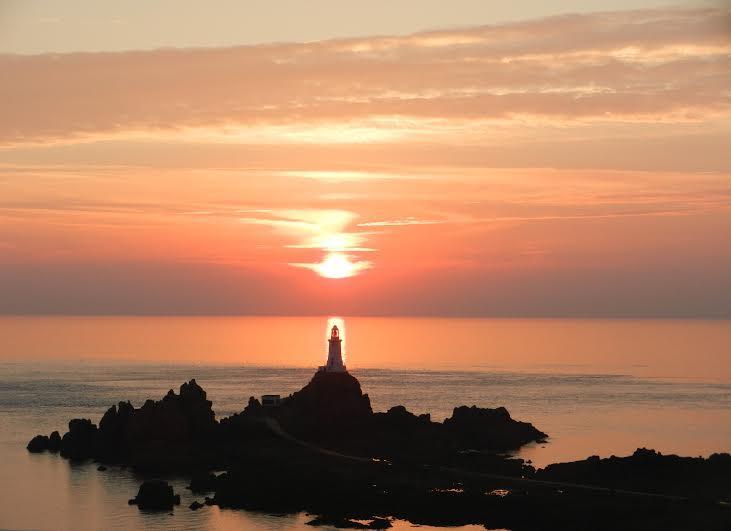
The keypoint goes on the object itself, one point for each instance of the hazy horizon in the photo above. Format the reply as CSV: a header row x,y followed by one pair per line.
x,y
676,349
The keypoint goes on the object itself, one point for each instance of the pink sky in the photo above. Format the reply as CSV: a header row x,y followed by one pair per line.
x,y
571,165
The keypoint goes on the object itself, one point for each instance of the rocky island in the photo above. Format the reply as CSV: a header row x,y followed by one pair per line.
x,y
325,451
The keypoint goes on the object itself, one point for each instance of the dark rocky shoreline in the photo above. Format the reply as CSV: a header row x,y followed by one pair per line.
x,y
324,451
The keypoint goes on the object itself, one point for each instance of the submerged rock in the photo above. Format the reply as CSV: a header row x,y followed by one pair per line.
x,y
195,505
155,495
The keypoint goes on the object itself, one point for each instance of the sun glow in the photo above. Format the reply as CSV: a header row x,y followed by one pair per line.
x,y
338,265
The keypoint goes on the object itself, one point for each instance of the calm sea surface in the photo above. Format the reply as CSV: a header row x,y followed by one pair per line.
x,y
596,387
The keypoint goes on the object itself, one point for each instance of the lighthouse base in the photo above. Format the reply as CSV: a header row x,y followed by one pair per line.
x,y
332,368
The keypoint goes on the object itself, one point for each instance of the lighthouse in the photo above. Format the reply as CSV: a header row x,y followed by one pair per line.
x,y
334,353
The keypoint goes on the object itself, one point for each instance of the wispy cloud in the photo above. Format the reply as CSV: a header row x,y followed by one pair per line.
x,y
403,222
659,65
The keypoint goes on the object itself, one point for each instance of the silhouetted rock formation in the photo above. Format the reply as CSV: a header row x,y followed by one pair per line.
x,y
324,451
38,444
332,410
80,441
54,442
41,443
169,430
155,495
180,431
330,399
490,428
343,490
202,482
650,471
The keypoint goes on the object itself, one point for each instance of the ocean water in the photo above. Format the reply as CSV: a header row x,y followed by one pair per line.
x,y
596,387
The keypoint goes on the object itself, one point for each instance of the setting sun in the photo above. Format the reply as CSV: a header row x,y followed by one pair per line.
x,y
338,265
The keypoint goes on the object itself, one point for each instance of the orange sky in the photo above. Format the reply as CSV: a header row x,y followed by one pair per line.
x,y
574,165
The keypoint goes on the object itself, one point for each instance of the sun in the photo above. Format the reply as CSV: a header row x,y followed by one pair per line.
x,y
338,265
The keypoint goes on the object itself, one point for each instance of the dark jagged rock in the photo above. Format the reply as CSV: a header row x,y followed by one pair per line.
x,y
54,442
330,397
195,505
80,441
155,495
485,428
163,433
650,471
394,463
399,415
101,468
175,419
41,443
344,490
254,407
330,405
38,444
114,425
202,482
180,431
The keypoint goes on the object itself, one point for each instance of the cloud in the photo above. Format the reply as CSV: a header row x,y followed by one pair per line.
x,y
666,65
403,222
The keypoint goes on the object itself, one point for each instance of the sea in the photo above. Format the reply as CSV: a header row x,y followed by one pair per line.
x,y
597,387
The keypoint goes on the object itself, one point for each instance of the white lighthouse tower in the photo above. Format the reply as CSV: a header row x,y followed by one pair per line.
x,y
334,353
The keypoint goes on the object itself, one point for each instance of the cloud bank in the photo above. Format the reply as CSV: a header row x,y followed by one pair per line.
x,y
649,66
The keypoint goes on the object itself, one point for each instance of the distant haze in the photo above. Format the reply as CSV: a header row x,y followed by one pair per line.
x,y
470,161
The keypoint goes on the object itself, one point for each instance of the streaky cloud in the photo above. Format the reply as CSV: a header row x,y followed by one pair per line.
x,y
667,65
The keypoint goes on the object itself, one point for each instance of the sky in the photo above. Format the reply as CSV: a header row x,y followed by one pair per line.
x,y
563,159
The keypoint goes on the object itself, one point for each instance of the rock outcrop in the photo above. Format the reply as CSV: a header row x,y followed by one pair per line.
x,y
80,441
42,443
330,407
54,442
38,444
650,471
324,451
330,398
155,495
202,482
491,429
170,429
180,431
